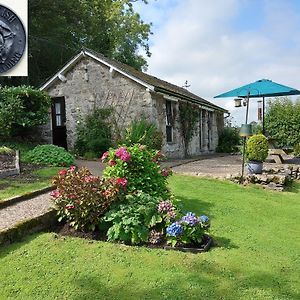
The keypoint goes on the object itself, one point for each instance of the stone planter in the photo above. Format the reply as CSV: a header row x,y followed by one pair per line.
x,y
255,167
203,248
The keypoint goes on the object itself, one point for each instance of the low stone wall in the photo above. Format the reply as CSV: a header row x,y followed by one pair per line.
x,y
275,178
14,170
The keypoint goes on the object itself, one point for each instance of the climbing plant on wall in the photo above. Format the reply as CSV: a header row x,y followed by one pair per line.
x,y
188,118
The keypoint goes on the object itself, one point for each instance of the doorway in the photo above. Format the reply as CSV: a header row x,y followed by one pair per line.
x,y
59,130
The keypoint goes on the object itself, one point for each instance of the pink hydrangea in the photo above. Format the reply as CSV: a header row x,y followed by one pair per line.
x,y
90,178
55,194
104,156
123,154
122,181
72,168
165,173
69,207
111,163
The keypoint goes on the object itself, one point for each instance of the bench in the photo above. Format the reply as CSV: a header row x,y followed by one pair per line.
x,y
276,154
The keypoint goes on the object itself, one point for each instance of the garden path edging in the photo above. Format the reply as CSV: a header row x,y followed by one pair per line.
x,y
27,196
29,226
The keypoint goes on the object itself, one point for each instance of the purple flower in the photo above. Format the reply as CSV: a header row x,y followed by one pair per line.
x,y
190,219
175,229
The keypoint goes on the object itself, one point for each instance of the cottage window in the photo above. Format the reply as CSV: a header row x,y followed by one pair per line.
x,y
169,122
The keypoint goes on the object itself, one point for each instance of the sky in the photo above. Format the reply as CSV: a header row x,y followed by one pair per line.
x,y
220,45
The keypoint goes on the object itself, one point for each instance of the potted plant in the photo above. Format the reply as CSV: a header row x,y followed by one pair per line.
x,y
256,153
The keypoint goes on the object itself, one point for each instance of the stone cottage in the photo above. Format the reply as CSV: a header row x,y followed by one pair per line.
x,y
90,80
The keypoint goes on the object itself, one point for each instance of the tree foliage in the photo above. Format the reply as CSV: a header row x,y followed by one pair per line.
x,y
282,121
22,108
58,29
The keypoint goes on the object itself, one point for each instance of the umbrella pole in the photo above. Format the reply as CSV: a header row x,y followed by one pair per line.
x,y
263,116
244,139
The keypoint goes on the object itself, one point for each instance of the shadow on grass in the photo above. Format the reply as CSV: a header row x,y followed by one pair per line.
x,y
196,205
293,187
223,242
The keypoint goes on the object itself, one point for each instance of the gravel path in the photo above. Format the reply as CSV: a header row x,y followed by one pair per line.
x,y
24,210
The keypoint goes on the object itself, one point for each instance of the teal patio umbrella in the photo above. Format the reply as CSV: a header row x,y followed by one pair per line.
x,y
260,88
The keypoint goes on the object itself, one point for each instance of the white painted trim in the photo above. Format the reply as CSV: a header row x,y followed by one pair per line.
x,y
121,72
60,72
87,53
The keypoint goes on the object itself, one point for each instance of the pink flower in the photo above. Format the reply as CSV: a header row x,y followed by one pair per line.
x,y
122,181
111,163
72,168
69,206
90,178
123,154
55,194
104,156
62,172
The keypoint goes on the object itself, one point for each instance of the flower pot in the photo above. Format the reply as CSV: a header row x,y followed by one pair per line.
x,y
255,167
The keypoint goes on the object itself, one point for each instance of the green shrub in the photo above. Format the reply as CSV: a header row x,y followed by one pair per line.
x,y
22,108
229,140
131,220
297,150
82,199
50,155
257,148
6,150
140,167
144,133
94,133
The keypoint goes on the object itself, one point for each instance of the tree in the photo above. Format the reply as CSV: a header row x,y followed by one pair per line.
x,y
58,29
282,121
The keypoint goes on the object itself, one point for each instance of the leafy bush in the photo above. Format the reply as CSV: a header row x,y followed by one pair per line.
x,y
145,133
131,220
229,139
257,148
82,199
140,167
22,108
50,155
94,133
297,150
282,121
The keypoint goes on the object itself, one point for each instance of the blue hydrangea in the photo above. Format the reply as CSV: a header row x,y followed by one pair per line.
x,y
190,219
204,219
175,229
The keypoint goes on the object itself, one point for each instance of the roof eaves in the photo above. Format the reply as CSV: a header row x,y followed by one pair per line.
x,y
203,102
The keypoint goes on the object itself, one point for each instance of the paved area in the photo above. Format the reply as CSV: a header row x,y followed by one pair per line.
x,y
25,210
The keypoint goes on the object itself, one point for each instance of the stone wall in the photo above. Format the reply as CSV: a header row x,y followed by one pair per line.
x,y
91,85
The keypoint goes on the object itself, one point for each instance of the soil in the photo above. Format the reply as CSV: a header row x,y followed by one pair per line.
x,y
66,230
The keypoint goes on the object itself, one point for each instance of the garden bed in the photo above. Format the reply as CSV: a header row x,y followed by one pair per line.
x,y
66,230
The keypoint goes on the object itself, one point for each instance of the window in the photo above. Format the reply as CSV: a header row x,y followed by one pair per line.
x,y
169,122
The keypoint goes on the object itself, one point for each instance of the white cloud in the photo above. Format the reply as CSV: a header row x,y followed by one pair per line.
x,y
199,41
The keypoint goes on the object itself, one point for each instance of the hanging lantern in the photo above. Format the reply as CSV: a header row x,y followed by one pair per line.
x,y
259,110
246,130
237,102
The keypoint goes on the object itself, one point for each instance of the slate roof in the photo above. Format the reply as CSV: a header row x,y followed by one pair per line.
x,y
159,85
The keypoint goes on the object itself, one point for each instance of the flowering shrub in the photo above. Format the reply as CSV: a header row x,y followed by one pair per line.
x,y
187,230
132,220
82,199
140,167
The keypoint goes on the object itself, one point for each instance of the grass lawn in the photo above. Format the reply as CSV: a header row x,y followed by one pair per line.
x,y
38,179
258,256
